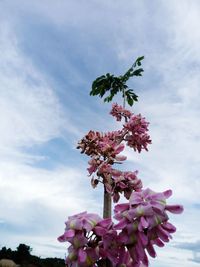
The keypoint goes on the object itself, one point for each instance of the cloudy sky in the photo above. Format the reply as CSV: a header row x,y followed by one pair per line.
x,y
50,52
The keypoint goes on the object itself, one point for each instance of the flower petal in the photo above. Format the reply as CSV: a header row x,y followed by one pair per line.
x,y
177,209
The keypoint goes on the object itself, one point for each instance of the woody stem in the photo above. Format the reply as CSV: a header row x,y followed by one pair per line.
x,y
106,214
107,204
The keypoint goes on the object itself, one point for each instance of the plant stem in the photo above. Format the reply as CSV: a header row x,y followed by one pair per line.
x,y
106,214
107,204
124,98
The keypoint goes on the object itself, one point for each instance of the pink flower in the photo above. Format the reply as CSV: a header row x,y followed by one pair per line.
x,y
137,136
86,233
105,148
93,164
118,112
144,223
124,182
83,220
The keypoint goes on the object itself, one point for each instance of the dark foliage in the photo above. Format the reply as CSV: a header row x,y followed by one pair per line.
x,y
111,84
22,255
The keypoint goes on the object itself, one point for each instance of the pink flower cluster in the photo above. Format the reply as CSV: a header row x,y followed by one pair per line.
x,y
82,251
143,223
105,148
137,136
135,128
123,182
101,144
119,112
115,181
91,239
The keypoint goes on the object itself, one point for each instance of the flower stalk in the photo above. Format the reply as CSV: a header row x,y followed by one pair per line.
x,y
142,222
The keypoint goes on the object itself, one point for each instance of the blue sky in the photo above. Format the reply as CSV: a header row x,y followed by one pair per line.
x,y
50,52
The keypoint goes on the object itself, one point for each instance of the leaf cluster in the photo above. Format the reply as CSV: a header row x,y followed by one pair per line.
x,y
111,84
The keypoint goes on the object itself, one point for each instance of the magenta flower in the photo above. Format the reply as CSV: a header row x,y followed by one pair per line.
x,y
144,223
77,232
86,232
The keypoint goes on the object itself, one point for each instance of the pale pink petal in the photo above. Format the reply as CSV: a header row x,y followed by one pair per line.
x,y
120,158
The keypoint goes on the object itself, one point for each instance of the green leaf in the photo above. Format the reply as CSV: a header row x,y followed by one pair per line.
x,y
138,61
108,98
129,100
138,72
111,84
130,94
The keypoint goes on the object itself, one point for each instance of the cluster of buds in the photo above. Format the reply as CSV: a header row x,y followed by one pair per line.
x,y
115,181
100,144
124,182
137,136
105,148
119,112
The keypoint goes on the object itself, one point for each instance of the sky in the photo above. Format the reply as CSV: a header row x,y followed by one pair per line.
x,y
50,52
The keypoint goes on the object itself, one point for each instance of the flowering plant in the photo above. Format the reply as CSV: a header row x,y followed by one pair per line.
x,y
143,221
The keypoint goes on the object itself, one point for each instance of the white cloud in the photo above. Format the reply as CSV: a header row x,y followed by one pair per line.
x,y
38,203
168,35
30,112
171,102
